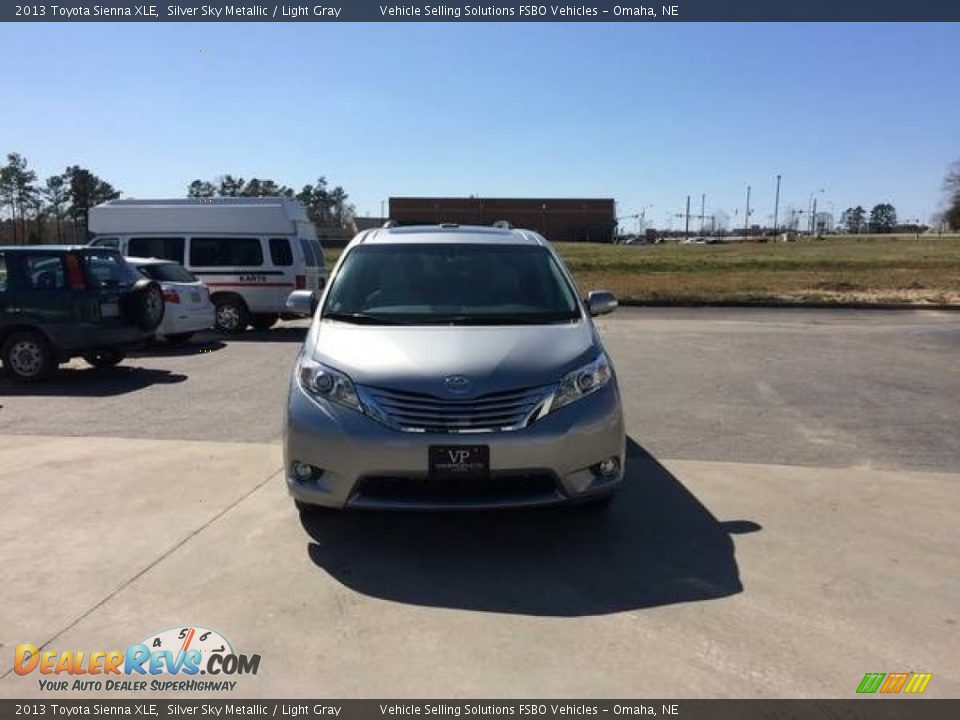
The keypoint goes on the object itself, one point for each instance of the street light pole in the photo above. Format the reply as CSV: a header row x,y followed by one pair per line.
x,y
686,227
776,207
746,215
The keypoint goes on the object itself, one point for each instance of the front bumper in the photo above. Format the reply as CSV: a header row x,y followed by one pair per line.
x,y
368,465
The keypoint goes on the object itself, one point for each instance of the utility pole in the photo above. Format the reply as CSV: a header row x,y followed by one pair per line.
x,y
703,203
776,206
746,215
686,227
813,217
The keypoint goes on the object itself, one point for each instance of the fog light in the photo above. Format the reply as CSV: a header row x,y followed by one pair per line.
x,y
304,472
610,467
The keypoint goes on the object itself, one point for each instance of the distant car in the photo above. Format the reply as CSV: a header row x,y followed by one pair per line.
x,y
188,308
60,302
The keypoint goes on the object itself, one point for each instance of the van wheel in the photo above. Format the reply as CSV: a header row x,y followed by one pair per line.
x,y
28,357
104,358
232,316
264,321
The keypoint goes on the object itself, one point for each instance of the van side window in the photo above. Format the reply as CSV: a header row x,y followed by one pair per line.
x,y
225,251
308,255
110,242
280,252
44,272
3,272
162,248
318,251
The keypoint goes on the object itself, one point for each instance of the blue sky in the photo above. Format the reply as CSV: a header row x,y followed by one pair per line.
x,y
643,113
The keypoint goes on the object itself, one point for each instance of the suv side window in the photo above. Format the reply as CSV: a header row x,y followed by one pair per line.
x,y
44,272
162,248
280,252
110,242
3,272
225,252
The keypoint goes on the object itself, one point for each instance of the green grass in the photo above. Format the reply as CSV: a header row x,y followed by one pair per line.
x,y
861,269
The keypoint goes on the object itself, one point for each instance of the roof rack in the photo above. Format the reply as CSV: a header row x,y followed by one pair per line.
x,y
503,225
449,225
390,224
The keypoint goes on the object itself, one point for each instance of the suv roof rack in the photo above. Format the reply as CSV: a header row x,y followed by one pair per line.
x,y
503,225
390,224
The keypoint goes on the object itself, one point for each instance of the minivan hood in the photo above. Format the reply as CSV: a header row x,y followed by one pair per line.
x,y
417,359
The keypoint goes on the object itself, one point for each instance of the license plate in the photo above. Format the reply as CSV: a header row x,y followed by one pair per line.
x,y
459,462
109,310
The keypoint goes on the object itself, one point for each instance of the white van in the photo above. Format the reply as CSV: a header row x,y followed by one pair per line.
x,y
251,252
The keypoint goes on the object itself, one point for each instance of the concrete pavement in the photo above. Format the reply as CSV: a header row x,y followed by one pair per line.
x,y
732,566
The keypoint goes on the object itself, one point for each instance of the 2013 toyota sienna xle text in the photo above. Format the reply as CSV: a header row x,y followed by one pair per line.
x,y
452,367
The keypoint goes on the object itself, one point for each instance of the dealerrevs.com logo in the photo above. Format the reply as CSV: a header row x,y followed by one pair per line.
x,y
169,660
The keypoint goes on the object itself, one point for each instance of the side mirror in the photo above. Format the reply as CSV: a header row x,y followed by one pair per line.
x,y
302,302
600,302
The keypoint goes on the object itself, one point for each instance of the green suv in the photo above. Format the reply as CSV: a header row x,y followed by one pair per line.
x,y
59,302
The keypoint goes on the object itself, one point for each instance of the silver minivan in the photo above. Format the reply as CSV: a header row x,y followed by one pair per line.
x,y
452,367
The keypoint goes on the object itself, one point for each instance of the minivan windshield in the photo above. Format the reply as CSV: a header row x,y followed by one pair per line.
x,y
458,284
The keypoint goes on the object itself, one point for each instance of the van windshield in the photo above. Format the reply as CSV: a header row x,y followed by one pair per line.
x,y
461,284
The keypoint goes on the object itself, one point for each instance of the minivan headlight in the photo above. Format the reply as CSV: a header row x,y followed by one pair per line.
x,y
583,381
323,382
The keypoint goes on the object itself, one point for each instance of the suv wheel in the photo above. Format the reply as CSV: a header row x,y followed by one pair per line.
x,y
28,357
145,305
105,358
232,316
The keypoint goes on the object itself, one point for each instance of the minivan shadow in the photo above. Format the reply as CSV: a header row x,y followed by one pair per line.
x,y
92,382
655,545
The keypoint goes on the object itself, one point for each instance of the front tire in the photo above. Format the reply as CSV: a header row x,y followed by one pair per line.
x,y
231,316
105,358
28,357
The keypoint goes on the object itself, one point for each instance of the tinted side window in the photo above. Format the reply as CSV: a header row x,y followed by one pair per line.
x,y
280,252
3,272
226,251
110,242
162,248
44,272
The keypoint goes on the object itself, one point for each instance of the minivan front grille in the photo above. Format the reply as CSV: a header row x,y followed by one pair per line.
x,y
420,412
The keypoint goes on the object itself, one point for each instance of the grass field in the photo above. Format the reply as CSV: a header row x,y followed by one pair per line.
x,y
863,269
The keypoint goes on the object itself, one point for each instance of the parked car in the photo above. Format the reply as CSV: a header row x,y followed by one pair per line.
x,y
452,367
188,309
60,302
250,252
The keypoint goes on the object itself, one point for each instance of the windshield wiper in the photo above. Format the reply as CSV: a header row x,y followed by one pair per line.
x,y
502,319
360,318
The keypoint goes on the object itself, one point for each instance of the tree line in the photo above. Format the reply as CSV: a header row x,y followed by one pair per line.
x,y
56,209
326,207
882,219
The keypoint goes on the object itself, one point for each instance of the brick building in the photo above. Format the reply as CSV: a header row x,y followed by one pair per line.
x,y
557,219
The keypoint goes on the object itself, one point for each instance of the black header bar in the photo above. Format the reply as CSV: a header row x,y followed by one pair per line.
x,y
480,11
160,709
